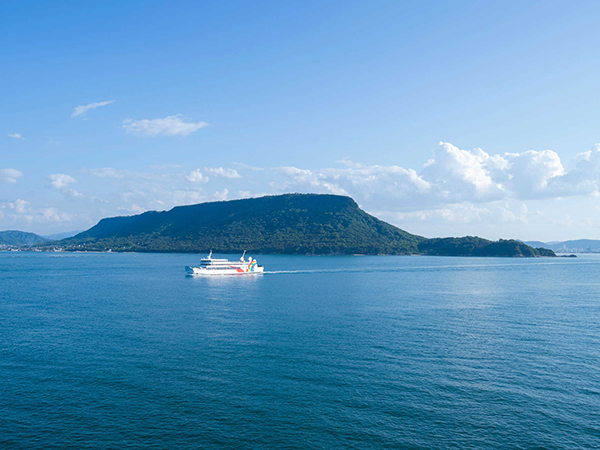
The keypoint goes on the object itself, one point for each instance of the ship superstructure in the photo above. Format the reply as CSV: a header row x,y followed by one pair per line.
x,y
215,266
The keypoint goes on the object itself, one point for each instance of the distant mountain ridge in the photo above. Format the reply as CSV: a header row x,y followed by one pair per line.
x,y
59,236
15,238
574,246
279,224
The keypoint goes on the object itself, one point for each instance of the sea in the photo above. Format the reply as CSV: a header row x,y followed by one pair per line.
x,y
124,351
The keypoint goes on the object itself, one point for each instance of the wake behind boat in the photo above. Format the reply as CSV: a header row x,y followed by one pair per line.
x,y
212,266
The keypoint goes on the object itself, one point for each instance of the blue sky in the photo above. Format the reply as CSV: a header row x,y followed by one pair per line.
x,y
444,118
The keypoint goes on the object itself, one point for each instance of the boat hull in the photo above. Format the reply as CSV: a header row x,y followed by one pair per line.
x,y
191,271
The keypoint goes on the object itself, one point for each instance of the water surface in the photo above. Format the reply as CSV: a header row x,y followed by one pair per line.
x,y
124,351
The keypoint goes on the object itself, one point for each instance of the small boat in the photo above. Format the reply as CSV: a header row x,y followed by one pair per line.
x,y
212,266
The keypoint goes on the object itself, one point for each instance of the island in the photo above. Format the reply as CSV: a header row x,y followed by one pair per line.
x,y
300,224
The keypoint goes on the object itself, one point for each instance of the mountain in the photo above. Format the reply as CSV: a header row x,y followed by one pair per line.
x,y
14,238
59,236
574,246
538,244
291,224
285,224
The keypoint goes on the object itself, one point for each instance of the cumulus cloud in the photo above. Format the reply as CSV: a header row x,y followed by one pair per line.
x,y
82,109
53,215
456,187
221,195
10,175
462,212
534,174
462,174
453,176
196,176
62,182
169,126
17,210
19,206
368,184
14,135
225,173
518,214
21,210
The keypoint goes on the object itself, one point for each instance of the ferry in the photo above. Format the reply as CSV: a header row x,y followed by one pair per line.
x,y
213,266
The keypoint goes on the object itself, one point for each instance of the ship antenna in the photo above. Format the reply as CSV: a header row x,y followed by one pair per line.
x,y
243,254
210,254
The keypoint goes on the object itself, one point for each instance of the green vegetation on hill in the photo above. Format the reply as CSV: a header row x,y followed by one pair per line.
x,y
476,246
14,238
285,224
289,224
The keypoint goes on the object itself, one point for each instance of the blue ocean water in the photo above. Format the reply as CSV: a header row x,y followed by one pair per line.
x,y
123,351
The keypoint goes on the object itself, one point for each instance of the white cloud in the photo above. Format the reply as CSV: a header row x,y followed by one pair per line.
x,y
518,214
346,162
459,190
197,176
465,212
107,172
248,194
21,210
165,166
82,109
10,175
531,173
247,167
185,197
222,195
14,135
169,126
159,197
129,196
53,215
369,184
62,182
225,173
462,174
133,208
454,176
19,206
129,175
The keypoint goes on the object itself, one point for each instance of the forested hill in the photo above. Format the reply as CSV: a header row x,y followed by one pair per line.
x,y
290,223
14,238
476,246
286,224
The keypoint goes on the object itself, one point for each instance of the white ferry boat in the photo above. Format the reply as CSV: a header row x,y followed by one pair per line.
x,y
212,266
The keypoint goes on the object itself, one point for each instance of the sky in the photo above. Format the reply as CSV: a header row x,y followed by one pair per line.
x,y
443,118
